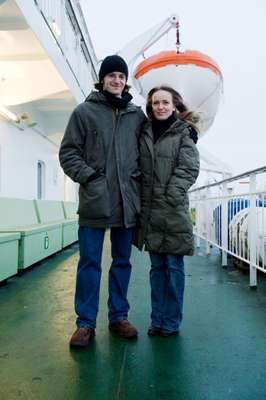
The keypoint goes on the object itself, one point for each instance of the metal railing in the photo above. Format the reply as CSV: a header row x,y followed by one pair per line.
x,y
64,20
231,215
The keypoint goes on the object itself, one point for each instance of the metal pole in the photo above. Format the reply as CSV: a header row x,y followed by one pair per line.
x,y
198,219
252,233
224,223
207,220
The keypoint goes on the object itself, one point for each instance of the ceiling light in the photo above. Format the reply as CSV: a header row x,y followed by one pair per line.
x,y
8,114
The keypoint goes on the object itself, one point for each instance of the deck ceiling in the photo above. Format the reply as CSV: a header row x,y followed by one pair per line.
x,y
28,78
26,72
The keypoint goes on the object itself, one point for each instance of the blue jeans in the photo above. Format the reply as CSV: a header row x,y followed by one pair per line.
x,y
89,274
167,281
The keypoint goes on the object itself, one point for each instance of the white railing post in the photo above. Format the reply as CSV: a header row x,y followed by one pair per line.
x,y
247,220
198,219
252,232
224,224
207,220
204,220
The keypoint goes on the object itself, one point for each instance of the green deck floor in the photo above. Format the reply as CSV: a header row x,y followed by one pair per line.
x,y
220,353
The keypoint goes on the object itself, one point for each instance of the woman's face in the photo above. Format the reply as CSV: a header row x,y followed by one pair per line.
x,y
162,105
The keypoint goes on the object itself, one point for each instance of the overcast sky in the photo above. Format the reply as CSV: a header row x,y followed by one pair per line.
x,y
233,33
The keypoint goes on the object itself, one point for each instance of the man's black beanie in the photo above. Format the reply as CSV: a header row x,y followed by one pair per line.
x,y
113,63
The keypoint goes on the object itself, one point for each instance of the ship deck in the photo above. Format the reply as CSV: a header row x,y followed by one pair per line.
x,y
219,353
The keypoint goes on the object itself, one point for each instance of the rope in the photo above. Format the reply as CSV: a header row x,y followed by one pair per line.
x,y
177,37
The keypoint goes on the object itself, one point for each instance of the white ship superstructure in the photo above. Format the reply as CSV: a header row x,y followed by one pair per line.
x,y
47,66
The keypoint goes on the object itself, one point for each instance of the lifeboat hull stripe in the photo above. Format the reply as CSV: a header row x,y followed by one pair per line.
x,y
171,57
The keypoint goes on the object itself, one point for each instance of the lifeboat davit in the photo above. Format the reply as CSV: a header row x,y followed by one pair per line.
x,y
193,74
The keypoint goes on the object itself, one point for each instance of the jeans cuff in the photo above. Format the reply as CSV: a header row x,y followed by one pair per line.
x,y
117,319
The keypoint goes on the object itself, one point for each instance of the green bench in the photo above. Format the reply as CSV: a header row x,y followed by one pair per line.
x,y
8,255
37,241
50,212
59,213
70,225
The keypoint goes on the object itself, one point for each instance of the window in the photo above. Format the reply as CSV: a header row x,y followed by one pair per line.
x,y
40,180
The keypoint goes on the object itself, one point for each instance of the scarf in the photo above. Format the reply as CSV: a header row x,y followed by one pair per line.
x,y
161,126
117,102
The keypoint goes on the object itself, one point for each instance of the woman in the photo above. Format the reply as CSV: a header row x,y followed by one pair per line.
x,y
170,165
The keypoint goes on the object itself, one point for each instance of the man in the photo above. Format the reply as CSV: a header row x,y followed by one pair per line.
x,y
100,152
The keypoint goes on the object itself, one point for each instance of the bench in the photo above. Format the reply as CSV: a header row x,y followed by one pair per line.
x,y
8,255
37,241
70,225
50,213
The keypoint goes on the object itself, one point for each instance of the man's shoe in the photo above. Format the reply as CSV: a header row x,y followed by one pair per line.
x,y
165,333
81,337
123,329
153,331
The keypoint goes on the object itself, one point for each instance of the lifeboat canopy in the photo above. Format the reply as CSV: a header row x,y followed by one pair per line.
x,y
193,74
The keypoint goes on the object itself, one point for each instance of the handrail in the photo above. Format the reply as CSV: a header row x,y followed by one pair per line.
x,y
256,171
233,222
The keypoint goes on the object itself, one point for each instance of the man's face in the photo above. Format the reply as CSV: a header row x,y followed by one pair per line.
x,y
114,83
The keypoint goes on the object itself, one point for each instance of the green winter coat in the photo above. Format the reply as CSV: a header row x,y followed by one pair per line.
x,y
169,168
100,139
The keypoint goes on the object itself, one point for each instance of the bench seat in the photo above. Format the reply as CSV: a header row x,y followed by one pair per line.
x,y
37,240
70,225
8,255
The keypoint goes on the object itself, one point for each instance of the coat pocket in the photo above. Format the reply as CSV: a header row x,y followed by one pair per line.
x,y
94,199
135,179
174,197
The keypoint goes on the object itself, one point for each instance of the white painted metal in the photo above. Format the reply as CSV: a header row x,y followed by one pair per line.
x,y
224,223
20,152
236,222
69,41
135,48
206,219
252,231
41,32
197,220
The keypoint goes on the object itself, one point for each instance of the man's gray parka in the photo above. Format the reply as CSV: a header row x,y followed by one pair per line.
x,y
102,142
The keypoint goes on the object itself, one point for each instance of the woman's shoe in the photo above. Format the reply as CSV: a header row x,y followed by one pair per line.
x,y
153,331
165,333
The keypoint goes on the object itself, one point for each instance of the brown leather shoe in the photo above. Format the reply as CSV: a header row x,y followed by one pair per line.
x,y
123,329
81,337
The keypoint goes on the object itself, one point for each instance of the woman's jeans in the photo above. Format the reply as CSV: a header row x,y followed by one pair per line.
x,y
89,274
167,281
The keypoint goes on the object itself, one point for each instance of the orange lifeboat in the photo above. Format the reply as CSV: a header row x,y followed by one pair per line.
x,y
193,74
